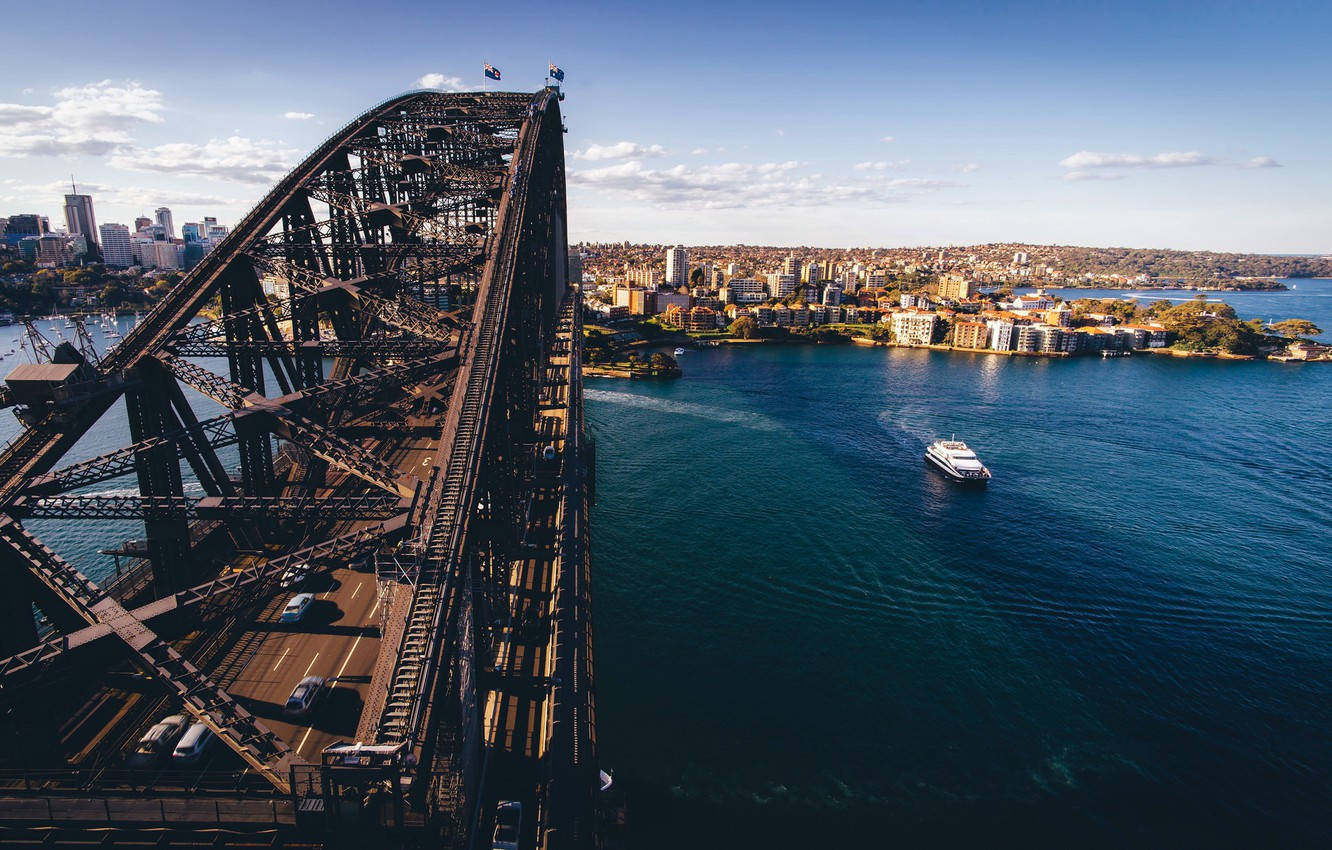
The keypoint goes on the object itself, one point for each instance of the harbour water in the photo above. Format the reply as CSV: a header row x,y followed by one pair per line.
x,y
807,638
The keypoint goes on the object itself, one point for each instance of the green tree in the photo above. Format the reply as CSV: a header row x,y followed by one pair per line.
x,y
696,276
744,327
1293,328
113,295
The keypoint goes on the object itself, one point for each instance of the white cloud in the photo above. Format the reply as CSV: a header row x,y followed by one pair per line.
x,y
440,82
619,150
735,184
781,132
969,167
113,194
1262,162
83,120
1083,160
1077,176
881,164
298,116
235,158
699,151
888,139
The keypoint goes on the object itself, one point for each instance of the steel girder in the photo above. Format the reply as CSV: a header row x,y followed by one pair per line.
x,y
405,192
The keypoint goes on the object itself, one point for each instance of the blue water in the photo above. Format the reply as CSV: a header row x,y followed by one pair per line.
x,y
807,638
80,541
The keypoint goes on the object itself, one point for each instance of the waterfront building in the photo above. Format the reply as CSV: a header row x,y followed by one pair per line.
x,y
117,251
791,266
914,328
677,267
1060,315
1150,336
696,319
832,294
1029,339
813,274
1001,334
918,300
970,334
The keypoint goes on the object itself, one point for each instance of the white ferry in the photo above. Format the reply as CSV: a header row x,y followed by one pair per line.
x,y
957,461
679,351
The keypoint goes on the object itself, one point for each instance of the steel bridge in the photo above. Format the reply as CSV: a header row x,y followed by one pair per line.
x,y
369,391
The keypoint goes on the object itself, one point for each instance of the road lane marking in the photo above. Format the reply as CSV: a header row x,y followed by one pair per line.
x,y
280,660
312,663
304,738
356,591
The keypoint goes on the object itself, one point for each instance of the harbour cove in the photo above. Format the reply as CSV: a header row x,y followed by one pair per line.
x,y
855,648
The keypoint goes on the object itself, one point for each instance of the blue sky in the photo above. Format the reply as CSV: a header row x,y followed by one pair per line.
x,y
1184,125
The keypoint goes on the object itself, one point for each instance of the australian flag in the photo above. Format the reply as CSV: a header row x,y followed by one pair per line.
x,y
556,72
492,72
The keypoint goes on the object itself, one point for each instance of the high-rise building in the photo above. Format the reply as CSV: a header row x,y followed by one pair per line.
x,y
781,285
209,222
163,216
791,266
21,226
79,215
189,231
677,267
116,248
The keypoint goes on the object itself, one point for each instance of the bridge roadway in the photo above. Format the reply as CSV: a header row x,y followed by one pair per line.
x,y
338,638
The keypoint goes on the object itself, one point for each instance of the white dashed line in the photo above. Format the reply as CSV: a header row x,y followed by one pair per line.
x,y
280,660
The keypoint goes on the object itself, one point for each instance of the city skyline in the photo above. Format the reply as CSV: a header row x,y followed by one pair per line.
x,y
1145,126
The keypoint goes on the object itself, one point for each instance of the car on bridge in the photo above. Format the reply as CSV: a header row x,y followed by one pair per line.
x,y
508,825
160,739
296,607
295,574
193,745
306,695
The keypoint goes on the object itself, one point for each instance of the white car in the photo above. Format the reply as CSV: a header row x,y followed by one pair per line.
x,y
305,695
296,608
160,740
193,745
508,825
